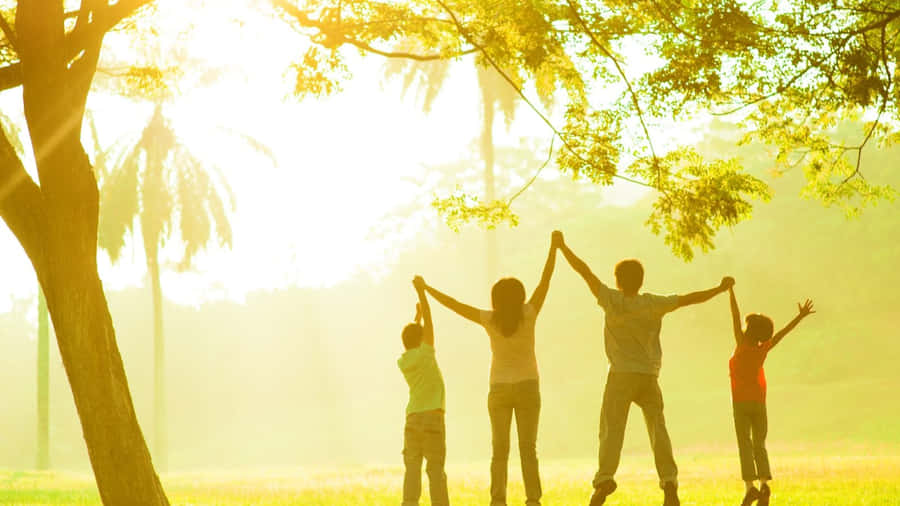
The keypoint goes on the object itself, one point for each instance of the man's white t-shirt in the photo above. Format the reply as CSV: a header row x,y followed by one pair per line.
x,y
632,329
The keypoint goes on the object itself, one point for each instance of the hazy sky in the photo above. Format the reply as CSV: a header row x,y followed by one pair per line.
x,y
342,162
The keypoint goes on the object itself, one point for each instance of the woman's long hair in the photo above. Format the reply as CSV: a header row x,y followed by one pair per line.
x,y
508,301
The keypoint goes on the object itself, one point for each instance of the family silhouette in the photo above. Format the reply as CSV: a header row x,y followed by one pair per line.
x,y
633,321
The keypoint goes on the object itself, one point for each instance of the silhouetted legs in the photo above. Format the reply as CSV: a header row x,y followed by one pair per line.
x,y
613,417
751,426
524,400
621,390
500,409
424,438
527,415
651,402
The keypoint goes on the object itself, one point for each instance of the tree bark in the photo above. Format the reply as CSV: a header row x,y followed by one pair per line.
x,y
56,224
43,384
118,453
66,266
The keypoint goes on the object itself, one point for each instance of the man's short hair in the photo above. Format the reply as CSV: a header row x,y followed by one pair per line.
x,y
629,275
412,336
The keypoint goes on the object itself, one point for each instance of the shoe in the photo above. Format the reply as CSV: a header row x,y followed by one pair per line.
x,y
764,493
671,495
751,495
600,493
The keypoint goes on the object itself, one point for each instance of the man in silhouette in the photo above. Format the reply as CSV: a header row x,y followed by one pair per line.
x,y
631,334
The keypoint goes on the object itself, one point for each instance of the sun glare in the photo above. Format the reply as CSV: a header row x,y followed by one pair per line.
x,y
312,178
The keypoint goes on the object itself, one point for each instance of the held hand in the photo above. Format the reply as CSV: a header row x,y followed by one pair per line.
x,y
727,283
419,283
806,309
556,239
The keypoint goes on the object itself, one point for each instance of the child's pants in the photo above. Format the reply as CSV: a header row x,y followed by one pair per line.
x,y
522,399
751,425
424,437
623,388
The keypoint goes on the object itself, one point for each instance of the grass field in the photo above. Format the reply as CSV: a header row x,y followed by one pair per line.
x,y
705,480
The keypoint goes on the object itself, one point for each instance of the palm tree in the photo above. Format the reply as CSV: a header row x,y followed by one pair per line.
x,y
158,183
496,94
155,181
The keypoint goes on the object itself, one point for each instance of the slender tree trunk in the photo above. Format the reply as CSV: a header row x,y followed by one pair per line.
x,y
160,449
152,218
487,154
43,384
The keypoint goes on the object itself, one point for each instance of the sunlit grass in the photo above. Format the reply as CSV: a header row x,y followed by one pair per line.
x,y
705,480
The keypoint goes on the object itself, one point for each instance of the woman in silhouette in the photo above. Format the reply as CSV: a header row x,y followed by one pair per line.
x,y
514,386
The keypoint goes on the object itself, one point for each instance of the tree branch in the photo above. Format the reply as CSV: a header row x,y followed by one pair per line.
x,y
304,20
536,174
859,149
408,56
11,76
631,92
114,14
781,88
21,205
493,63
9,32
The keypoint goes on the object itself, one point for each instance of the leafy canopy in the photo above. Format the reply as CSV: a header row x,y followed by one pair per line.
x,y
583,54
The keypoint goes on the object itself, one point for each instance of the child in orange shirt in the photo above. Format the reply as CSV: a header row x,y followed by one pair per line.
x,y
748,394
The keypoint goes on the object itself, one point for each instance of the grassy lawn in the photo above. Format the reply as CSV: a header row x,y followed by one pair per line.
x,y
706,480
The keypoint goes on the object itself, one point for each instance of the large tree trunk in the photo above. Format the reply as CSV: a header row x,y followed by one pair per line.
x,y
43,384
62,248
87,344
56,224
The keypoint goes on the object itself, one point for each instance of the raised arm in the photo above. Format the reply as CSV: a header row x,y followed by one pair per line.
x,y
581,268
540,291
704,295
803,311
466,311
424,310
735,317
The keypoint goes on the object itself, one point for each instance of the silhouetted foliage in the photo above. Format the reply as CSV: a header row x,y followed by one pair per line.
x,y
799,69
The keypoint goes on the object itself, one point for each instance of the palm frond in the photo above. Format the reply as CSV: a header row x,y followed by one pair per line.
x,y
119,203
427,78
255,144
194,221
495,90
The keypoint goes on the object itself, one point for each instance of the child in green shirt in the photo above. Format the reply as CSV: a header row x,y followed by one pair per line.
x,y
424,436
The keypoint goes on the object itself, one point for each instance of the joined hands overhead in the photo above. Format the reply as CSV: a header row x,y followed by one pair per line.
x,y
727,283
556,239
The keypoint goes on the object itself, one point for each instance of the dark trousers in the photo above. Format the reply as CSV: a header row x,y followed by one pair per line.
x,y
524,400
424,437
623,388
751,425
